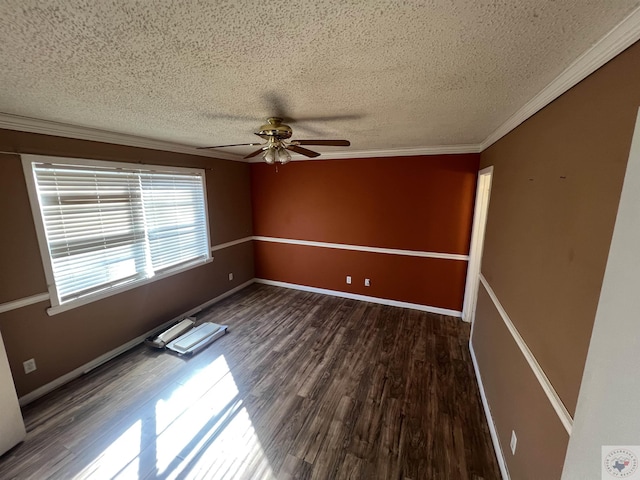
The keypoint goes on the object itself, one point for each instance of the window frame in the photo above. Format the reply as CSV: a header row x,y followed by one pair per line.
x,y
56,307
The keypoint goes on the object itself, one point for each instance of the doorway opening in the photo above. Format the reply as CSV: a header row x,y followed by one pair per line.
x,y
483,191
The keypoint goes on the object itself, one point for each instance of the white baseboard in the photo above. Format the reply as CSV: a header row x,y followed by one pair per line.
x,y
487,411
87,367
364,298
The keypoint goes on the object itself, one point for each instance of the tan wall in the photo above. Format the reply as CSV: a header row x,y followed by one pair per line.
x,y
542,439
65,341
556,186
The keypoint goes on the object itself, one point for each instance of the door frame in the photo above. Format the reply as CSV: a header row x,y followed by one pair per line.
x,y
480,213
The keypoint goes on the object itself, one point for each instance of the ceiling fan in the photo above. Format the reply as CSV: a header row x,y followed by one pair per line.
x,y
277,136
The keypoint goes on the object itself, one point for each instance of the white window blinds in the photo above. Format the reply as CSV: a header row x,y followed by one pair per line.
x,y
106,227
175,218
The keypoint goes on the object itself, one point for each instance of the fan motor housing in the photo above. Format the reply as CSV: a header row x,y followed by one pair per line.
x,y
275,128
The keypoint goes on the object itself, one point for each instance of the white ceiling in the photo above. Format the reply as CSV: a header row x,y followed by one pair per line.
x,y
387,75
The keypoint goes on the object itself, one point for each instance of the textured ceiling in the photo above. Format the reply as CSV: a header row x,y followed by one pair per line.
x,y
383,74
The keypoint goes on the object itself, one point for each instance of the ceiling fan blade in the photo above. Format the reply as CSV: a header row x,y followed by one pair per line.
x,y
303,151
253,154
331,143
327,118
232,145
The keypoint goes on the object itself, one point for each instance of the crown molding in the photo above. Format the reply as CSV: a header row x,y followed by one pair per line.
x,y
394,152
47,127
621,37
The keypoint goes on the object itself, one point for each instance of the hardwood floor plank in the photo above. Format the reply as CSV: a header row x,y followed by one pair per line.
x,y
36,463
295,469
303,386
351,468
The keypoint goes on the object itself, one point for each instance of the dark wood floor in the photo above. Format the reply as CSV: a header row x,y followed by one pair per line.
x,y
303,386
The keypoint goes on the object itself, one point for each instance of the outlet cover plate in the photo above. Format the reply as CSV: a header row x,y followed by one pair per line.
x,y
29,365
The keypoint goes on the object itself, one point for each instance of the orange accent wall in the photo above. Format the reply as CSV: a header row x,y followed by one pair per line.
x,y
422,203
427,281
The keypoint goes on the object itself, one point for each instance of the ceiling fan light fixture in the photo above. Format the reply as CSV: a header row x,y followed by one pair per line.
x,y
270,155
283,155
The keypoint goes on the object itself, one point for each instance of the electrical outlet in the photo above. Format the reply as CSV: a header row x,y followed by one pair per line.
x,y
514,442
349,279
367,282
29,365
230,276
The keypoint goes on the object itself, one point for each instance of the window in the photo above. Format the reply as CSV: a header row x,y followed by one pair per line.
x,y
105,227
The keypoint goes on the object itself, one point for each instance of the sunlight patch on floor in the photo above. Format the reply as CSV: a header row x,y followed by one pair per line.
x,y
215,437
121,453
230,452
193,389
201,431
